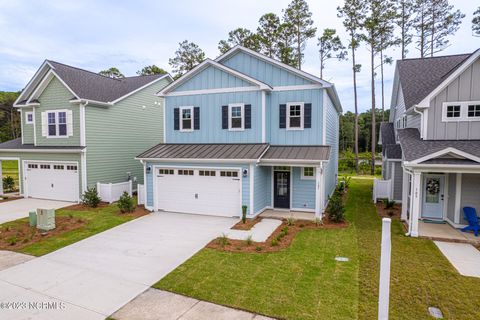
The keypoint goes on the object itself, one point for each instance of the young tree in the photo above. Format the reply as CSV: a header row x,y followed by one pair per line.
x,y
476,23
112,73
330,46
299,17
187,56
405,11
148,70
353,14
267,33
240,36
285,45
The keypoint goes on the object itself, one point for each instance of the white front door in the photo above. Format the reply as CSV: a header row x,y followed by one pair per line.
x,y
55,181
433,196
207,191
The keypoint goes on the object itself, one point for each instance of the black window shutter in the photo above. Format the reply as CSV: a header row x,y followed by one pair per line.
x,y
283,116
248,116
196,118
224,117
176,119
307,118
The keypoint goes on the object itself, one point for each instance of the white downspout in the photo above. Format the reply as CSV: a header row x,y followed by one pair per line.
x,y
421,119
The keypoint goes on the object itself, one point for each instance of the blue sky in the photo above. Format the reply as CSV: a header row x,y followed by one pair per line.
x,y
96,35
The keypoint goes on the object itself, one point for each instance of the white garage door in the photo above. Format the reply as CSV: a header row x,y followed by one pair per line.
x,y
56,181
200,191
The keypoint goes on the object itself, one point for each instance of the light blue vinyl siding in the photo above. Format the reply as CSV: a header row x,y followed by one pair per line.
x,y
212,78
263,71
211,118
331,171
307,136
303,193
245,180
262,188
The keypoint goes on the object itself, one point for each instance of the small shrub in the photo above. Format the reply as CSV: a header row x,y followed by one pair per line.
x,y
389,204
258,248
223,240
274,243
238,248
244,214
249,240
25,240
290,222
318,222
336,210
341,187
281,235
13,241
91,198
70,215
126,203
302,225
347,180
391,213
285,230
8,184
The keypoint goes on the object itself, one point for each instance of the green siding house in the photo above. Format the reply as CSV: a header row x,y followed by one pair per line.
x,y
80,128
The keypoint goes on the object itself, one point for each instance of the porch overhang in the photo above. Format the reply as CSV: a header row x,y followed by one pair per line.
x,y
295,156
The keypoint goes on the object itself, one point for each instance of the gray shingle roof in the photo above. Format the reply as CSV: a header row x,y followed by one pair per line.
x,y
16,144
419,77
205,151
92,86
314,153
415,148
393,151
390,148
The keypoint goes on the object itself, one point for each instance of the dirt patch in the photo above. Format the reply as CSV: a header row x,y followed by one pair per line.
x,y
247,225
138,212
9,198
280,239
83,207
393,213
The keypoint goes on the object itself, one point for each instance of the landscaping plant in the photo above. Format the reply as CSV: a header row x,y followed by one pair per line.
x,y
91,198
223,240
8,184
290,221
336,209
389,204
126,203
249,240
244,214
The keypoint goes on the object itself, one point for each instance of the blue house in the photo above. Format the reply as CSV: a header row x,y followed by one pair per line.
x,y
245,130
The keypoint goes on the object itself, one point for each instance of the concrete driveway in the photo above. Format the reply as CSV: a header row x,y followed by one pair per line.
x,y
16,209
93,278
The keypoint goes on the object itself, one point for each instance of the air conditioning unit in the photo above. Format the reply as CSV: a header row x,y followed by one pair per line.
x,y
46,219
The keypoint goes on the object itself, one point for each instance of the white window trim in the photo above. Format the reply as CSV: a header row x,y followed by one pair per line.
x,y
304,177
230,106
181,119
57,130
26,117
302,115
463,111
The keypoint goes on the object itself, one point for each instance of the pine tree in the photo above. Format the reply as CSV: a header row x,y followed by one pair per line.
x,y
286,52
240,36
148,70
113,73
476,23
187,56
267,32
405,12
330,46
299,17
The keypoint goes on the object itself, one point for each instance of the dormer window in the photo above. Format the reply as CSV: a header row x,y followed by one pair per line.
x,y
295,116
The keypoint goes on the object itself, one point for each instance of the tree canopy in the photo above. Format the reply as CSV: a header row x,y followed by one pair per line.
x,y
149,70
187,57
112,73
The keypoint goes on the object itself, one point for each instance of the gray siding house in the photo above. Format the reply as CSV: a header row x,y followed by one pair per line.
x,y
80,128
431,145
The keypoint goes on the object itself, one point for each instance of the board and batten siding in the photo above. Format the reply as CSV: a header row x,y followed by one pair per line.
x,y
332,130
212,78
117,134
23,156
263,71
303,190
397,181
210,106
57,96
262,188
245,180
465,87
27,128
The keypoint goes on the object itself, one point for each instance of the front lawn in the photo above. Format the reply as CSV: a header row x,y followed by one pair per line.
x,y
305,282
72,226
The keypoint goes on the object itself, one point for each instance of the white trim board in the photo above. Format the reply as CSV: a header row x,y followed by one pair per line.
x,y
443,152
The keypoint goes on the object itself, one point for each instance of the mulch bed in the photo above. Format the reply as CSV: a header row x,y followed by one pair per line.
x,y
247,225
276,241
393,213
82,207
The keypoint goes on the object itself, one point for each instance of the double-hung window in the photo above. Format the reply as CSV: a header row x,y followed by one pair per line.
x,y
29,117
57,123
186,119
236,116
295,115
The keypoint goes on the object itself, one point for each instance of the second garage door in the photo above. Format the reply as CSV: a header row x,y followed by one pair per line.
x,y
199,191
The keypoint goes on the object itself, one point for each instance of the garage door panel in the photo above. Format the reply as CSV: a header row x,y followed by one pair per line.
x,y
56,181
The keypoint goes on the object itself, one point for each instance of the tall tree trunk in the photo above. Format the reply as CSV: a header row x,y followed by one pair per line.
x,y
433,29
383,91
299,49
356,105
403,30
422,35
372,61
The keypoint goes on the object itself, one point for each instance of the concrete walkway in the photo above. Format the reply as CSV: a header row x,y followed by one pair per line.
x,y
464,257
16,209
156,304
259,232
95,277
9,259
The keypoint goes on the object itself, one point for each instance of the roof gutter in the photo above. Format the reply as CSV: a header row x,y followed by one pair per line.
x,y
87,101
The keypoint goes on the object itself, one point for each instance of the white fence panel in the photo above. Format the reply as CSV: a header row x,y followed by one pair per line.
x,y
141,193
382,189
111,192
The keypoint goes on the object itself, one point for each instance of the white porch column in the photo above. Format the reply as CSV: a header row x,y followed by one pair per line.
x,y
458,198
416,194
319,193
404,195
1,179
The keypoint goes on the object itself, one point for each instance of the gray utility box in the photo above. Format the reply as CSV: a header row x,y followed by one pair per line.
x,y
46,219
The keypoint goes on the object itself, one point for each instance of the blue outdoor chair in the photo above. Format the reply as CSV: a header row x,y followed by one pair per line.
x,y
470,215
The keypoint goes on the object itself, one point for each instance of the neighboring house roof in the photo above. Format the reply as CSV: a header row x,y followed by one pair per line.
x,y
393,151
16,145
419,77
390,148
315,153
87,85
414,148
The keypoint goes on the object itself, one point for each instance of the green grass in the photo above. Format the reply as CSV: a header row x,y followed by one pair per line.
x,y
10,168
97,220
304,282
